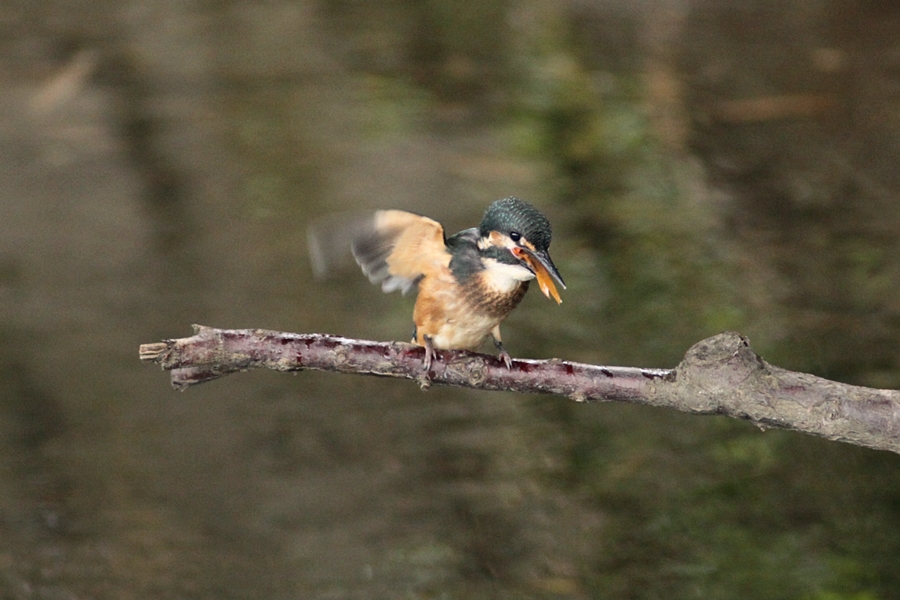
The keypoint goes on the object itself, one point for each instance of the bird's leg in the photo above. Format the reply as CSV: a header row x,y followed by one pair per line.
x,y
430,352
504,355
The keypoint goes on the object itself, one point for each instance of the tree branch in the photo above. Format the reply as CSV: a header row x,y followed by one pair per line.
x,y
721,375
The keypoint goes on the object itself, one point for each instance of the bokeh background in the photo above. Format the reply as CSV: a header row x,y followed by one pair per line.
x,y
706,164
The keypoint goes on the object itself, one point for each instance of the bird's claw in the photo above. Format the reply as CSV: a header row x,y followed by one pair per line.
x,y
430,354
504,355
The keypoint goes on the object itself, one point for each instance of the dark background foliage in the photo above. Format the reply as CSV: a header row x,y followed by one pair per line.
x,y
706,166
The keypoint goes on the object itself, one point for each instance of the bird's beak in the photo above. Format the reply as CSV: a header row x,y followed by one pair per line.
x,y
544,270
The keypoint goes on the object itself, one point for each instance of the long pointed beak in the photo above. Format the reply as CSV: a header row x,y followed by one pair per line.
x,y
544,271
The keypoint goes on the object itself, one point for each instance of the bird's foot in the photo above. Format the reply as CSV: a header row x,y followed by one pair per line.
x,y
424,378
430,353
504,355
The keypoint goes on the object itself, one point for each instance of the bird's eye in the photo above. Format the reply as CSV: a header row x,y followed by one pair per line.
x,y
515,236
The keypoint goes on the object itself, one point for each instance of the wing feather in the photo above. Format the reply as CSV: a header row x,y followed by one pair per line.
x,y
397,248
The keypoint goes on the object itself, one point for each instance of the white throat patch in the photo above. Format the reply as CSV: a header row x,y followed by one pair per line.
x,y
504,278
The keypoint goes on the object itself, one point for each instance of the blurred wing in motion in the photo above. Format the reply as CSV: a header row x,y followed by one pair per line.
x,y
329,239
398,248
394,248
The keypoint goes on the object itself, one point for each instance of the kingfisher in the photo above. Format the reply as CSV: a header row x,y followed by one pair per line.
x,y
467,283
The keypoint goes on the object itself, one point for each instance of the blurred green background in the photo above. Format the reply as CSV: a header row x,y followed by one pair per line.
x,y
706,166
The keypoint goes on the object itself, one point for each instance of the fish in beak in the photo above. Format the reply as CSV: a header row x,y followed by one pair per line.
x,y
544,270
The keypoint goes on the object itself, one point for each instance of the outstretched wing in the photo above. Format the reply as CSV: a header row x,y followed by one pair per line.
x,y
397,248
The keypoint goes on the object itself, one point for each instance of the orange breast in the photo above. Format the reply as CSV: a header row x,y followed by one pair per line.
x,y
459,317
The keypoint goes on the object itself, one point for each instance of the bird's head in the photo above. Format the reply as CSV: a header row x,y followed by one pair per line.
x,y
515,233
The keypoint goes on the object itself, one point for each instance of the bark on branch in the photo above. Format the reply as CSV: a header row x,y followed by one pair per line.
x,y
721,375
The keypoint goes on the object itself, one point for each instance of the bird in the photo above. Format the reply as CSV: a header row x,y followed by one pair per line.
x,y
467,283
